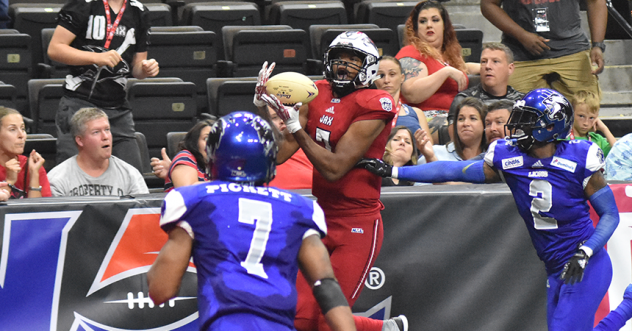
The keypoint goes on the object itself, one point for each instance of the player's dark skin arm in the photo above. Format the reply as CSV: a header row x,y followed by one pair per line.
x,y
166,273
349,150
314,262
595,183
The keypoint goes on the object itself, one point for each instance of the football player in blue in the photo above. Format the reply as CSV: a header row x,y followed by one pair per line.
x,y
247,240
551,180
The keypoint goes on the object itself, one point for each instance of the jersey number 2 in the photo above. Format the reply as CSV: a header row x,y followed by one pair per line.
x,y
260,214
542,204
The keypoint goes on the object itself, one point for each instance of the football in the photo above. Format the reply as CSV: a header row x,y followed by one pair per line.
x,y
292,87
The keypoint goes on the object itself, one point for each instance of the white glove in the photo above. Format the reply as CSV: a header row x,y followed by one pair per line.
x,y
288,114
260,89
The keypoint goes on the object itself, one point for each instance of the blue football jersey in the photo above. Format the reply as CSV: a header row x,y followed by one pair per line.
x,y
246,241
549,194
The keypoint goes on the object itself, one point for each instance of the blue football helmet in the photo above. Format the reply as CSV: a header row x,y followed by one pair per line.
x,y
241,148
543,115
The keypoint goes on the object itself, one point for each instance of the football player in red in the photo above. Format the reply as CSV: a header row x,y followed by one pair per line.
x,y
345,122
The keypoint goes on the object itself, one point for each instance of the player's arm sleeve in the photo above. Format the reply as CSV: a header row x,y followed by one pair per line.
x,y
174,209
318,216
443,171
604,204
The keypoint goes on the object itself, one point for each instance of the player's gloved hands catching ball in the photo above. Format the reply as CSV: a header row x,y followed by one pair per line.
x,y
288,114
376,166
574,269
262,79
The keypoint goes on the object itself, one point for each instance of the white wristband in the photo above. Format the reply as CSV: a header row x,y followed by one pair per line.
x,y
587,250
293,126
395,172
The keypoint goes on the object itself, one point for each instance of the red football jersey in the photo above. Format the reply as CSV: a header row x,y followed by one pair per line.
x,y
329,118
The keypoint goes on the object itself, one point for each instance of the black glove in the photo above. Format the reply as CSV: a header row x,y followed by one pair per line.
x,y
574,269
376,166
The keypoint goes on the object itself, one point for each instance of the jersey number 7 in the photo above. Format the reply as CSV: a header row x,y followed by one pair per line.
x,y
260,214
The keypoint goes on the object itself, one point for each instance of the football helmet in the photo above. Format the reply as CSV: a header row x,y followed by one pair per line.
x,y
241,148
360,45
543,115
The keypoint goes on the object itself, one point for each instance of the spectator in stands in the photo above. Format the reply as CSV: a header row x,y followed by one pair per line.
x,y
549,44
470,133
390,80
495,120
25,176
104,42
94,170
296,172
497,65
433,66
188,166
400,151
586,107
619,160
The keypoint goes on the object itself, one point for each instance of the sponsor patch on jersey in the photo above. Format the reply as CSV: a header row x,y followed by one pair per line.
x,y
538,164
330,110
513,162
335,100
539,173
386,103
357,230
565,164
326,120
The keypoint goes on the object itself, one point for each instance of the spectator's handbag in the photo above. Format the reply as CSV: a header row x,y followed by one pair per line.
x,y
17,193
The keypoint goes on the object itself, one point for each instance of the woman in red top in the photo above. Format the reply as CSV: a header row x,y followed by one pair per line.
x,y
433,66
26,176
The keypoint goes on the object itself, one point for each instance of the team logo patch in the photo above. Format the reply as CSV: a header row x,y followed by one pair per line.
x,y
539,173
357,230
335,100
387,104
565,164
513,162
600,156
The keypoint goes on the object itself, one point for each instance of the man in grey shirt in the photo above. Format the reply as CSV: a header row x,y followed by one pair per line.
x,y
94,170
550,47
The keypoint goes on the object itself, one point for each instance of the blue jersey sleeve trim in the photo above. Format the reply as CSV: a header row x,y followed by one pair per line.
x,y
604,204
444,171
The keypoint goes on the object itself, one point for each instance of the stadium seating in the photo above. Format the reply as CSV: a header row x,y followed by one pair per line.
x,y
16,64
226,95
190,55
159,14
385,39
8,94
302,14
173,140
212,16
50,68
248,46
162,107
44,96
31,18
471,41
45,145
316,31
386,14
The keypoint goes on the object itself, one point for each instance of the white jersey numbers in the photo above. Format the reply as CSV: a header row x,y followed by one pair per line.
x,y
541,191
259,212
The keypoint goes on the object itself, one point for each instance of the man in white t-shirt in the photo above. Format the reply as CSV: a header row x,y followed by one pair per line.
x,y
94,170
